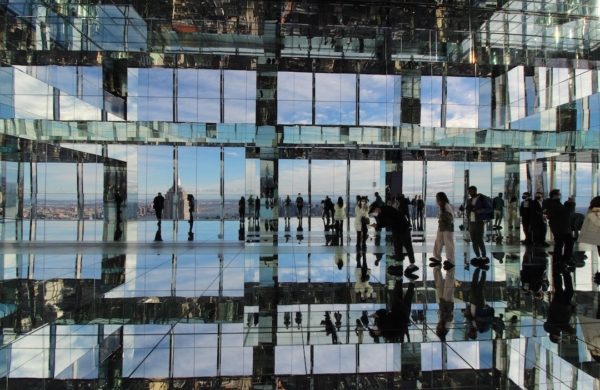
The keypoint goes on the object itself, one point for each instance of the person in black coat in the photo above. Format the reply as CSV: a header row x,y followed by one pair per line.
x,y
393,324
394,220
538,221
559,216
525,213
158,205
561,309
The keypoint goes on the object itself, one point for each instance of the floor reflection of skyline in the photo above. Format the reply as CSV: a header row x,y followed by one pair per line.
x,y
213,310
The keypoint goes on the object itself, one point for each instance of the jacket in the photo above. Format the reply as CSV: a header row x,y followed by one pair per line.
x,y
446,221
360,212
524,210
361,287
590,231
339,213
482,203
559,315
536,212
392,219
559,215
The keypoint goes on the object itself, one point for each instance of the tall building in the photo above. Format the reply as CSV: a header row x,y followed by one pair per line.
x,y
105,103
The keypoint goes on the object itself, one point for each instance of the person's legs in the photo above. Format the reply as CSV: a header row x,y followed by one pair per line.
x,y
559,292
569,241
480,228
448,293
449,244
406,240
558,248
476,233
569,291
438,245
473,286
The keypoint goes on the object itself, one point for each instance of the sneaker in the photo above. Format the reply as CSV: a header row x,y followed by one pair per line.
x,y
434,259
483,267
395,270
448,265
436,263
412,276
411,268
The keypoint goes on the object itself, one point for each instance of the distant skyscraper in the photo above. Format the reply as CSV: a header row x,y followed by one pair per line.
x,y
176,204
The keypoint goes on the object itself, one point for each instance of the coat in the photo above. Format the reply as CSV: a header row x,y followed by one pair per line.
x,y
360,213
361,287
590,231
559,215
339,213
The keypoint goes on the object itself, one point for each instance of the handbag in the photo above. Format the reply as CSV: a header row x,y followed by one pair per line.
x,y
589,233
365,220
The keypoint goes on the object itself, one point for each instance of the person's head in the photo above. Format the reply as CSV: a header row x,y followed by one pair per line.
x,y
472,333
340,264
358,198
555,194
595,202
526,195
441,331
190,197
472,191
539,195
340,201
377,194
441,198
299,194
159,194
499,194
375,209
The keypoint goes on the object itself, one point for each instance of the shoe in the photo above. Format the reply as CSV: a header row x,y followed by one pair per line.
x,y
475,260
485,260
412,276
483,267
435,263
448,265
434,259
545,244
510,228
411,268
395,270
524,242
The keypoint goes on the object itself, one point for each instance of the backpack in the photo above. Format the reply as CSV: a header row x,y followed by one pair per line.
x,y
299,202
491,214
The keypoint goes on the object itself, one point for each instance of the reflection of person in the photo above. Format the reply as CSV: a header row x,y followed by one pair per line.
x,y
590,232
478,209
339,215
561,309
538,221
298,319
444,291
393,324
257,207
361,221
498,206
158,205
362,275
513,218
524,211
560,224
533,274
286,208
480,314
445,232
327,210
191,209
390,218
299,206
330,328
359,329
242,208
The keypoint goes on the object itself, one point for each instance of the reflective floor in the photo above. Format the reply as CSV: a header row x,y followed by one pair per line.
x,y
293,306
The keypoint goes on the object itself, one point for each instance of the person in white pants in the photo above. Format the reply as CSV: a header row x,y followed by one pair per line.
x,y
445,233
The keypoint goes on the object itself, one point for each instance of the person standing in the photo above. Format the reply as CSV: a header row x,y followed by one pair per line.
x,y
538,221
300,205
513,218
339,215
413,215
257,208
478,209
242,208
361,221
498,206
327,210
445,233
158,205
561,309
390,218
590,232
524,211
286,208
250,208
560,224
420,212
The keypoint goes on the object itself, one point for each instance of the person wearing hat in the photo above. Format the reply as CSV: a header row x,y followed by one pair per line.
x,y
394,220
158,205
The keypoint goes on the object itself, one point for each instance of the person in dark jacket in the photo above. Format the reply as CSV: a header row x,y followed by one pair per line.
x,y
478,209
525,213
158,205
394,220
561,309
538,221
559,216
533,273
393,324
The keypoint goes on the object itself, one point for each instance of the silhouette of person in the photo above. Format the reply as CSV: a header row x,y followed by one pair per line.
x,y
390,218
257,208
300,206
561,309
298,319
158,205
330,328
118,202
242,208
191,208
480,313
158,235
